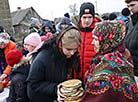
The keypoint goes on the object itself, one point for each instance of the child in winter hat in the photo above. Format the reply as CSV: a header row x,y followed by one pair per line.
x,y
33,39
87,8
32,43
20,70
65,22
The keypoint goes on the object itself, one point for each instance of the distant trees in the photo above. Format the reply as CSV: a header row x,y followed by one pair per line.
x,y
73,9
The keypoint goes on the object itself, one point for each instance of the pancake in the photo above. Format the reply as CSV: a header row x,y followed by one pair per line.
x,y
72,90
71,83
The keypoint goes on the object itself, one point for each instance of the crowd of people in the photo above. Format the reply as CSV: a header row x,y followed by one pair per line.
x,y
101,52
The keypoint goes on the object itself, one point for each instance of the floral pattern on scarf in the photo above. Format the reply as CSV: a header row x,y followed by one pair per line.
x,y
111,68
110,35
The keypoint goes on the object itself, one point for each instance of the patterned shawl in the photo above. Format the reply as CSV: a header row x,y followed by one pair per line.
x,y
111,70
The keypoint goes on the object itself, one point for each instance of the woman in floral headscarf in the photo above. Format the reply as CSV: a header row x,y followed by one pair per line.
x,y
110,77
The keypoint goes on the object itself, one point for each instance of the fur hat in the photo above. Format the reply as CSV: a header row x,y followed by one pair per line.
x,y
13,57
87,8
33,39
4,37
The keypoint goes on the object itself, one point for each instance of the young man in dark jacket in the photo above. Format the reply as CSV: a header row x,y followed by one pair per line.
x,y
131,40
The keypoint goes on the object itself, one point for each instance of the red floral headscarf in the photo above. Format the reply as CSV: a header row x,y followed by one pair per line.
x,y
110,35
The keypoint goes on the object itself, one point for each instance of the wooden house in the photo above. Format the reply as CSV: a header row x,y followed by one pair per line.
x,y
21,20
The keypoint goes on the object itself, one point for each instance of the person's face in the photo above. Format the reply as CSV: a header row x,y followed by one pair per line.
x,y
133,6
70,49
64,26
38,24
2,45
86,20
29,47
96,44
47,29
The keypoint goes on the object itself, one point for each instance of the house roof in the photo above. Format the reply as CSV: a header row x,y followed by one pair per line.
x,y
18,16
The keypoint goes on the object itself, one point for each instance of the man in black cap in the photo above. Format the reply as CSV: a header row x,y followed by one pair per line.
x,y
86,25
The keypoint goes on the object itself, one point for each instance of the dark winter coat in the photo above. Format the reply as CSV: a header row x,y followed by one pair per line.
x,y
18,86
131,41
48,69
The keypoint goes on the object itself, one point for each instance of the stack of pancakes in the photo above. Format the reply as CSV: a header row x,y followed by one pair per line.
x,y
72,90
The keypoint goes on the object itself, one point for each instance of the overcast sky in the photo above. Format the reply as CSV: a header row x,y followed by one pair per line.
x,y
50,9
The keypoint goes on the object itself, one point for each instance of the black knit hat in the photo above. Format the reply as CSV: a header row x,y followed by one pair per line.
x,y
112,16
125,12
67,15
87,8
